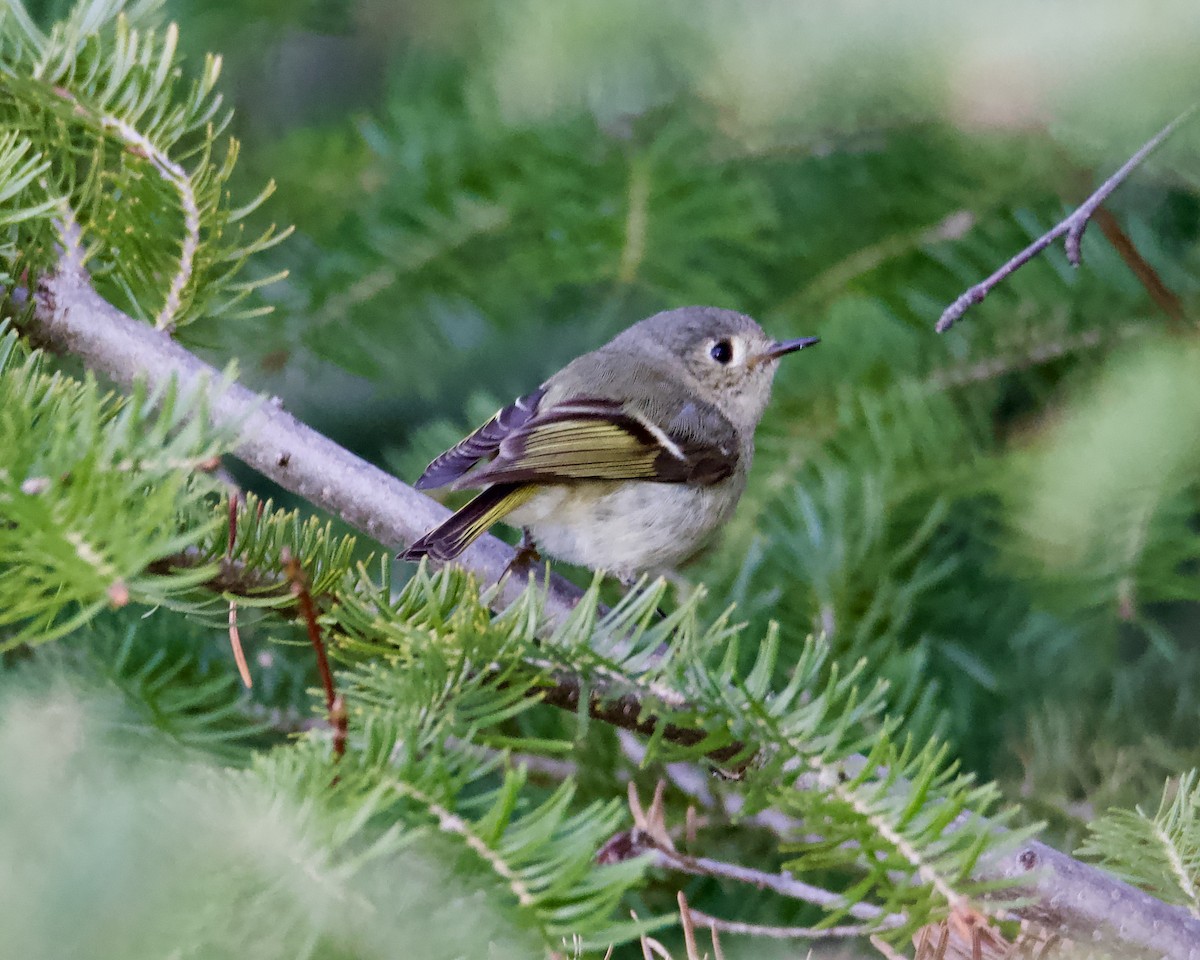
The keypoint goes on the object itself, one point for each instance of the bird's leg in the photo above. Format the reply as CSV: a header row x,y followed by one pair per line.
x,y
527,555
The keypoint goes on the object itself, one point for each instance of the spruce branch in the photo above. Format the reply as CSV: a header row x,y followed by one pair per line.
x,y
171,172
1071,227
1070,898
449,822
149,180
1160,852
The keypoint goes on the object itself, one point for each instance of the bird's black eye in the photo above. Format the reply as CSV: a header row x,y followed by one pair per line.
x,y
721,351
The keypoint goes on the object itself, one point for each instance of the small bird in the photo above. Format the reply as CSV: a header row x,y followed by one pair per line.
x,y
628,458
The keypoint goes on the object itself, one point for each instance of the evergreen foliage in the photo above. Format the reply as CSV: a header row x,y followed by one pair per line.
x,y
77,459
1160,853
963,583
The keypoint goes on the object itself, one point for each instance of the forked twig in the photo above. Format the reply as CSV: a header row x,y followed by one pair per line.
x,y
1072,227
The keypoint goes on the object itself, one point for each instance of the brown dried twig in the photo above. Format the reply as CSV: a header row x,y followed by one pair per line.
x,y
335,706
1071,227
1165,298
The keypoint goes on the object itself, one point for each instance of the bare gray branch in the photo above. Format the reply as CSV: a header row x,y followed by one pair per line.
x,y
1072,226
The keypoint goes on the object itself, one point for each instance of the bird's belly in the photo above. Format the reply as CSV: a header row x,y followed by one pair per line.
x,y
625,528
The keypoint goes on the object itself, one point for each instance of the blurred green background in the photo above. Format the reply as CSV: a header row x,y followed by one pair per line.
x,y
1004,520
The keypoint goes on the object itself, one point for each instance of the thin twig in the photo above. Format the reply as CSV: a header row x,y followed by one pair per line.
x,y
450,822
780,933
1166,299
781,883
235,637
1072,227
886,829
334,705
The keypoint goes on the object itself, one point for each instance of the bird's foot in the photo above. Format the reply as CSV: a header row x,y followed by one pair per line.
x,y
526,558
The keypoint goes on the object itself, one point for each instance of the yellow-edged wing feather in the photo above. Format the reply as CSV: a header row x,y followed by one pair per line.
x,y
586,439
597,449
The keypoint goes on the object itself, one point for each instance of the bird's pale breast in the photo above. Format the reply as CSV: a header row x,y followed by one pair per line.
x,y
629,527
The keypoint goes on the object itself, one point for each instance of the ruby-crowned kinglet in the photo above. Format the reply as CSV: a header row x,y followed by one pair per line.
x,y
628,458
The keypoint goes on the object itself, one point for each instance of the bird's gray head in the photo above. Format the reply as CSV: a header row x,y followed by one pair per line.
x,y
730,359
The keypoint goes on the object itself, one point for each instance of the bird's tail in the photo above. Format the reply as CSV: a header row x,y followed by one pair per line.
x,y
447,541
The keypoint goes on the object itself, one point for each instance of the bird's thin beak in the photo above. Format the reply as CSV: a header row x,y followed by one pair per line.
x,y
784,347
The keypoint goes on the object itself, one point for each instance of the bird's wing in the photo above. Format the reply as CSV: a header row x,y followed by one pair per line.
x,y
590,438
450,538
483,443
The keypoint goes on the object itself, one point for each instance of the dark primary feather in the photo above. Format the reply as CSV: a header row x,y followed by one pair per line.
x,y
484,442
448,540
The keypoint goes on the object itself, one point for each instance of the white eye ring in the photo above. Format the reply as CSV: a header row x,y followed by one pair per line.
x,y
726,351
